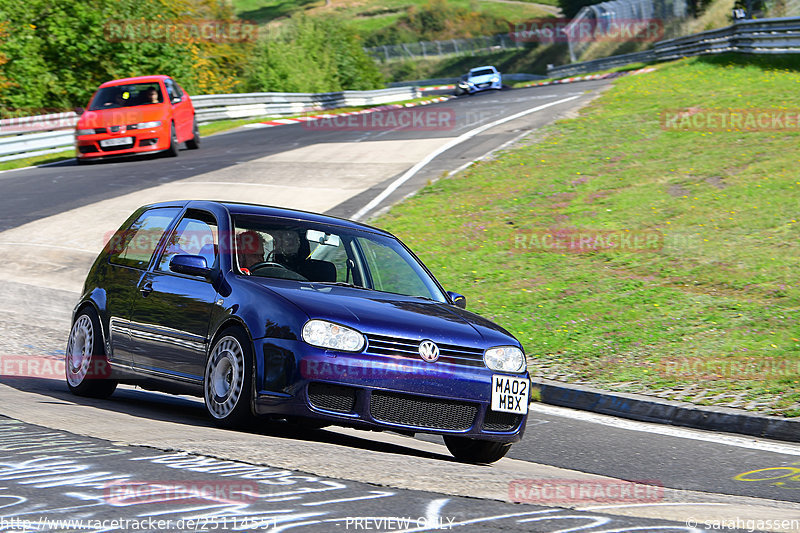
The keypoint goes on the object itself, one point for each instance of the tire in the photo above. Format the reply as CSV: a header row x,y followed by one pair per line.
x,y
476,451
86,366
172,151
194,142
228,380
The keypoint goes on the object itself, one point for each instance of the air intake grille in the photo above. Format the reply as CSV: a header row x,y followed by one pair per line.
x,y
448,353
495,421
332,397
422,412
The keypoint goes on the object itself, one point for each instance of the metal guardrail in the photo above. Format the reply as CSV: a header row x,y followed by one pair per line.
x,y
42,134
487,43
761,36
446,81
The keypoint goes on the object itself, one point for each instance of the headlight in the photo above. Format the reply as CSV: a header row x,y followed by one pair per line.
x,y
329,335
495,79
84,132
505,359
145,125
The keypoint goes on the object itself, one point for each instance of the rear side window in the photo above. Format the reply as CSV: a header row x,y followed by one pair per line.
x,y
134,246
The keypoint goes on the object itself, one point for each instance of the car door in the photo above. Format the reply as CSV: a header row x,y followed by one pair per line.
x,y
169,323
182,110
130,253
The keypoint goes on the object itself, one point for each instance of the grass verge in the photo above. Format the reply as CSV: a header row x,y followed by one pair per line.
x,y
710,317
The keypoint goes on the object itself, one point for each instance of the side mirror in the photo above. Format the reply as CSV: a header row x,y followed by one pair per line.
x,y
176,100
193,265
80,111
459,300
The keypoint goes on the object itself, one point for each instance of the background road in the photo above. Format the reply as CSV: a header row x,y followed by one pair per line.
x,y
52,223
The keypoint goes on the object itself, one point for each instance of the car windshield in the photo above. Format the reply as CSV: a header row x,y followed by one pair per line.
x,y
481,72
312,252
129,95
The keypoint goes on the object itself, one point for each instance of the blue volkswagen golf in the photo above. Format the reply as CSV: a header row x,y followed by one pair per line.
x,y
272,313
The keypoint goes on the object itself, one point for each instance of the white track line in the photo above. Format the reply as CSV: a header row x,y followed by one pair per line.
x,y
430,157
751,443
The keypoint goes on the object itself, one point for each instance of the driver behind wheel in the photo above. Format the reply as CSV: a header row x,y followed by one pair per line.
x,y
249,249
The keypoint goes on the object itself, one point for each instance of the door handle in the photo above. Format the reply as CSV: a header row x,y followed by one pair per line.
x,y
146,289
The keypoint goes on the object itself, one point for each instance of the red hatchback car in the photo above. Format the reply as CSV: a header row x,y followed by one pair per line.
x,y
135,115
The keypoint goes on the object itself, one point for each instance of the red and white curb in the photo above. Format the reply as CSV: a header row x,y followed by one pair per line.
x,y
308,118
438,88
590,77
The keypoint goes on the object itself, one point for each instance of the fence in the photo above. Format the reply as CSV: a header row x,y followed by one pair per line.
x,y
472,46
43,134
762,36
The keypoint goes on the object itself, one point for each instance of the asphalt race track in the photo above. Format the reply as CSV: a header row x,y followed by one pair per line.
x,y
153,462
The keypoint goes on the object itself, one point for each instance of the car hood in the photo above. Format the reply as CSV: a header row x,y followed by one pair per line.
x,y
380,313
122,116
482,79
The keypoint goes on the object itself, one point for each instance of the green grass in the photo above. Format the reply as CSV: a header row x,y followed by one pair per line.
x,y
721,294
372,15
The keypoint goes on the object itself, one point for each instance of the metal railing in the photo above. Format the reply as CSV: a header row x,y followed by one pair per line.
x,y
761,36
492,43
43,134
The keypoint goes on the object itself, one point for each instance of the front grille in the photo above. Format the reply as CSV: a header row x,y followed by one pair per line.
x,y
332,397
495,421
118,147
87,148
418,411
448,353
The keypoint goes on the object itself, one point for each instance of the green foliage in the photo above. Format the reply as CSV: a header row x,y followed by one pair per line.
x,y
570,8
54,53
436,20
312,54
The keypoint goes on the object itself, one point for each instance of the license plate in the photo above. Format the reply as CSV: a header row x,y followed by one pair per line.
x,y
116,142
510,394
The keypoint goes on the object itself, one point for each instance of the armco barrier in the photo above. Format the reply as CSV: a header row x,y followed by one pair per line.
x,y
43,134
761,36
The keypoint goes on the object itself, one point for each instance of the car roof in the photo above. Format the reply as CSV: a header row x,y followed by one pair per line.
x,y
481,68
137,79
238,208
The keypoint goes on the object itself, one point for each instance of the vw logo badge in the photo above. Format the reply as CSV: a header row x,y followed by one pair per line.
x,y
428,351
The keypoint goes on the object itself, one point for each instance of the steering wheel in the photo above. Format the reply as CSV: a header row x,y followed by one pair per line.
x,y
264,264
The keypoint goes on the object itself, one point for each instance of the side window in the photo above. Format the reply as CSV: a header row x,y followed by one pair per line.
x,y
177,89
195,234
170,89
135,245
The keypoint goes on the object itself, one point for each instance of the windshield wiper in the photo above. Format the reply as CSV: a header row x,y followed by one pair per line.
x,y
342,284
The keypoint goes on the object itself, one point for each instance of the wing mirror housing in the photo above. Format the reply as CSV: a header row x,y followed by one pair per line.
x,y
459,300
193,265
